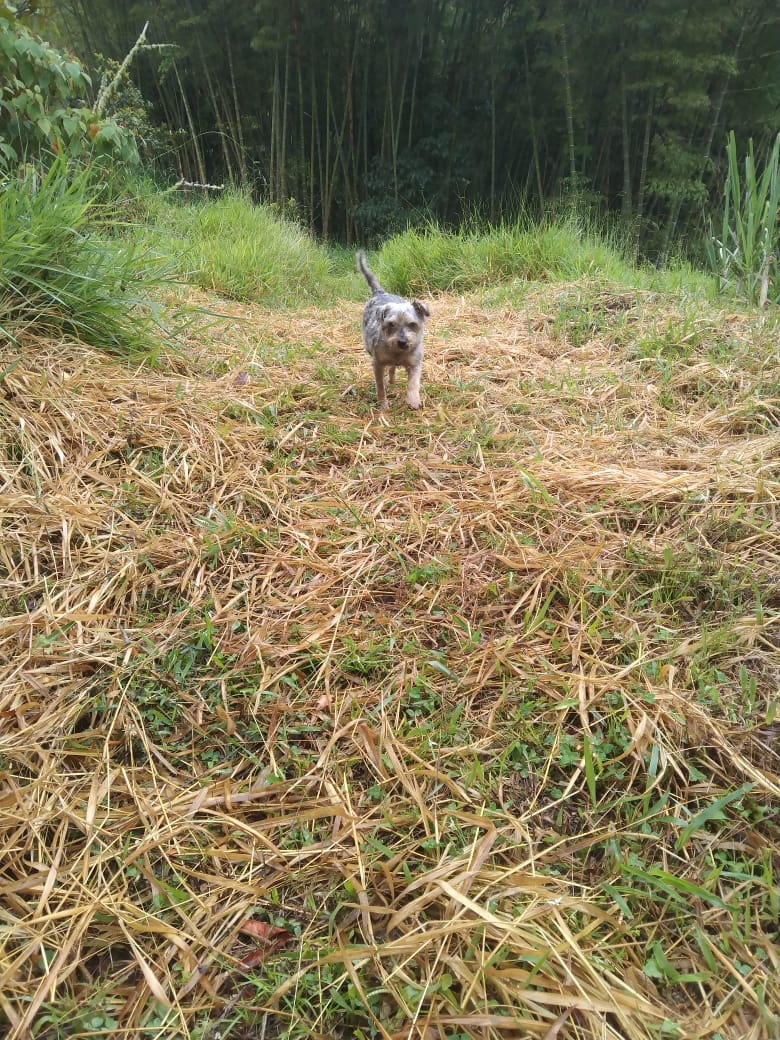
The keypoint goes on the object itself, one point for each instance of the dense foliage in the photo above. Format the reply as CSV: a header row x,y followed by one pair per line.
x,y
372,115
43,103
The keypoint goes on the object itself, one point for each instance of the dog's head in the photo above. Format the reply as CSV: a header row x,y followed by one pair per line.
x,y
403,323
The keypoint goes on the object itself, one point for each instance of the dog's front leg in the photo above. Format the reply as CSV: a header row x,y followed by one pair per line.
x,y
379,378
413,387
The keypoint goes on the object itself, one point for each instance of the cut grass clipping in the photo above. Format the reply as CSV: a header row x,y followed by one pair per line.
x,y
320,722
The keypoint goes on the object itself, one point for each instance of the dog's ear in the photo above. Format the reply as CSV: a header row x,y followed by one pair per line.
x,y
421,310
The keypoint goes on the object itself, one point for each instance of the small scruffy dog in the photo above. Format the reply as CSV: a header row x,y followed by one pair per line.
x,y
393,334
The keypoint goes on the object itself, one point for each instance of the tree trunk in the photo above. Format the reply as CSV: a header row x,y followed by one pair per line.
x,y
532,121
568,102
283,191
236,113
626,135
640,195
194,139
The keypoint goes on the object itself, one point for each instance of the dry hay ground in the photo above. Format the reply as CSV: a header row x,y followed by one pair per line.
x,y
474,705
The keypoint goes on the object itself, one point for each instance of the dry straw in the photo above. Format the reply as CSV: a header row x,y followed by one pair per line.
x,y
264,652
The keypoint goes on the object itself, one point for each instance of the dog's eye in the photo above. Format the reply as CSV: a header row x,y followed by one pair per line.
x,y
413,326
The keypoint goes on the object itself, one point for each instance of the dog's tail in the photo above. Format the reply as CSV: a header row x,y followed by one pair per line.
x,y
367,273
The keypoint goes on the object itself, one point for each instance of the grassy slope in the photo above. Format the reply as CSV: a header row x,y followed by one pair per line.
x,y
476,703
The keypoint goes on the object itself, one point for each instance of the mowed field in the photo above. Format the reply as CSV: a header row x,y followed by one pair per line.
x,y
317,721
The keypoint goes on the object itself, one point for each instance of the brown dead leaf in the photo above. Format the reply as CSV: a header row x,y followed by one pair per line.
x,y
271,937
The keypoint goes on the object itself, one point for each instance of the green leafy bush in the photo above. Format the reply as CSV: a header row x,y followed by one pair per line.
x,y
42,104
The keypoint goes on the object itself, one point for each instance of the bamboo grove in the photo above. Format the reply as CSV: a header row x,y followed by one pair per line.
x,y
363,116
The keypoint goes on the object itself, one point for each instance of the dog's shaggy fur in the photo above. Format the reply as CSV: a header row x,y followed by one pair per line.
x,y
393,335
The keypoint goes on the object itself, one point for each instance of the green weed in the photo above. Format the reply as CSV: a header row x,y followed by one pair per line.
x,y
744,257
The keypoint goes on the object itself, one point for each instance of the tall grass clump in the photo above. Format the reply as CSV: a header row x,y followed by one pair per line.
x,y
65,270
244,251
744,257
437,260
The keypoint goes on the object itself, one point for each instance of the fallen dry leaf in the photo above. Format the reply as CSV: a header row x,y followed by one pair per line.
x,y
272,939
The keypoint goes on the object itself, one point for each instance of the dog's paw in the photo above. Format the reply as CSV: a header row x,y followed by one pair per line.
x,y
414,401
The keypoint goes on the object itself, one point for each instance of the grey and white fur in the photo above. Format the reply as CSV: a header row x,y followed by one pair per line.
x,y
393,335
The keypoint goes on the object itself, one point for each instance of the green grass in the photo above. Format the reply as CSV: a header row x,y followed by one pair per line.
x,y
67,268
240,250
77,262
243,251
435,260
504,259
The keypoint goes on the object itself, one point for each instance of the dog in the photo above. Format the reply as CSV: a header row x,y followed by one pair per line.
x,y
393,335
